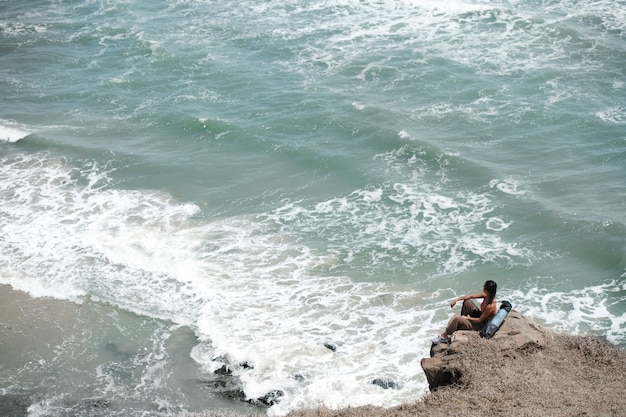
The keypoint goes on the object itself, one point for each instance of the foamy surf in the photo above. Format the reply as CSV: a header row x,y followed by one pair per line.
x,y
12,133
263,299
297,190
253,293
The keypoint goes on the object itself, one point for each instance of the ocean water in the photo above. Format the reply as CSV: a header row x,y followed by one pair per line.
x,y
241,183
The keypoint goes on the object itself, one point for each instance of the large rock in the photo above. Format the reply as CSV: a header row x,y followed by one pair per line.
x,y
517,334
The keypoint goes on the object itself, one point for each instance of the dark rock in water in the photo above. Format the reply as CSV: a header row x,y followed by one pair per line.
x,y
226,386
385,383
97,403
230,387
225,381
330,346
299,377
224,370
271,397
234,394
92,407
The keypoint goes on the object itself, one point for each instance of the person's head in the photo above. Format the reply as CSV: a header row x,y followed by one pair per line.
x,y
490,288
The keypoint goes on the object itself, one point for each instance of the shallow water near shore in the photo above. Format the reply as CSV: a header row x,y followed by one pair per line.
x,y
65,359
198,184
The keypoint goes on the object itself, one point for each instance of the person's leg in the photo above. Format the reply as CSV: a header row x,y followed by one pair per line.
x,y
457,323
460,322
470,309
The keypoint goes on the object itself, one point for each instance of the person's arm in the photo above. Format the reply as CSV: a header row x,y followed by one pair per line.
x,y
467,297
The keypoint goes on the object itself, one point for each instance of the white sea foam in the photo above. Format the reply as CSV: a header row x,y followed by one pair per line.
x,y
21,28
578,311
11,132
249,291
255,288
493,37
508,186
403,134
270,288
613,115
360,36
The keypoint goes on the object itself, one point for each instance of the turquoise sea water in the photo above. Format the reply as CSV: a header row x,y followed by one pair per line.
x,y
243,182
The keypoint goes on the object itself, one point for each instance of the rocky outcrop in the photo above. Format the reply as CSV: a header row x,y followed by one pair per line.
x,y
517,334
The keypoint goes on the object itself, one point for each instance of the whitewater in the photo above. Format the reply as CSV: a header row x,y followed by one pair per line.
x,y
295,191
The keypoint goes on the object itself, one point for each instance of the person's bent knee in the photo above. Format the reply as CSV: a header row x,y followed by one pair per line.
x,y
458,323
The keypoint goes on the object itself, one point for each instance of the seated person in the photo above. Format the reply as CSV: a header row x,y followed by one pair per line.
x,y
472,317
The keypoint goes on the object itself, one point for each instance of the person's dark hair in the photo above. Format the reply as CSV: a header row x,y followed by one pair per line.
x,y
490,288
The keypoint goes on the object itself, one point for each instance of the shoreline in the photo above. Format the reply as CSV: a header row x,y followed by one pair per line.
x,y
554,379
525,370
513,374
45,341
